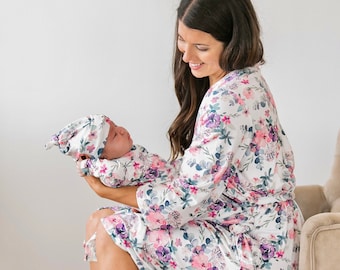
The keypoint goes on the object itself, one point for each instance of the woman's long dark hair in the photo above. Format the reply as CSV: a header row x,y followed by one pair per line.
x,y
233,22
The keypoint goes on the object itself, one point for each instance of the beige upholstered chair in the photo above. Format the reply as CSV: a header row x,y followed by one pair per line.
x,y
320,236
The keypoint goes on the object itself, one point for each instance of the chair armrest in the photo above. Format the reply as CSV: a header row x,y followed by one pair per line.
x,y
319,249
311,200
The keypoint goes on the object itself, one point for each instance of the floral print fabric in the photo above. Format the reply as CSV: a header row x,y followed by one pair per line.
x,y
134,168
232,204
86,135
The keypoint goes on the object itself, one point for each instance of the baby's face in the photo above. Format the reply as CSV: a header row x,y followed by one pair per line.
x,y
118,142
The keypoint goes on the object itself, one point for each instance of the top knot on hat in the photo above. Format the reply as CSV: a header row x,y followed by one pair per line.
x,y
85,136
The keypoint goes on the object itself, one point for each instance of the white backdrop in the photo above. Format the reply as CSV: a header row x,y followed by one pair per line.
x,y
60,60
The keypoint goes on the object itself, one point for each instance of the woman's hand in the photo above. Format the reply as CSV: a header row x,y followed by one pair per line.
x,y
125,195
97,186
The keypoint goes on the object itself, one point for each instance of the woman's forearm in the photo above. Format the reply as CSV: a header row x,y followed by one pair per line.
x,y
125,195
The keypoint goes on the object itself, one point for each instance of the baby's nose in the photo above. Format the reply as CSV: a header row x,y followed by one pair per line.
x,y
121,130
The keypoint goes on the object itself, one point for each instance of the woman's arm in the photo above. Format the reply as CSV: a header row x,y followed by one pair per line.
x,y
124,195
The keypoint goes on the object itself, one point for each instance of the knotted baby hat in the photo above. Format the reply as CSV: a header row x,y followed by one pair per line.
x,y
86,135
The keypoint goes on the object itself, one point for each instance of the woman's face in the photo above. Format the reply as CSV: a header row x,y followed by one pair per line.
x,y
118,142
201,51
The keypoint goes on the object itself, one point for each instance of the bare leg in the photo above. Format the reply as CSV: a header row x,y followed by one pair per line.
x,y
109,255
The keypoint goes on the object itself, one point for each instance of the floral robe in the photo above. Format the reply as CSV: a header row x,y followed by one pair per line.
x,y
232,204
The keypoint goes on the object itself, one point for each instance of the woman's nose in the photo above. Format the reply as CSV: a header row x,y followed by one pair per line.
x,y
187,55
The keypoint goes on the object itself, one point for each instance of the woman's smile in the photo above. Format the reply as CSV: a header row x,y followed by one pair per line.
x,y
195,66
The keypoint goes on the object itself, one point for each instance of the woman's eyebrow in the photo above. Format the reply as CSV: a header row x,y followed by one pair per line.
x,y
197,43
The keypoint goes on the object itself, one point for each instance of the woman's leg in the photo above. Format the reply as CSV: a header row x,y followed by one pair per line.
x,y
109,255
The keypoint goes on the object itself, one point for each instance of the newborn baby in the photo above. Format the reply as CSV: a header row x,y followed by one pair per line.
x,y
106,151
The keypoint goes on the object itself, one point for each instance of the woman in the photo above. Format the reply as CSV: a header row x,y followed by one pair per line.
x,y
232,205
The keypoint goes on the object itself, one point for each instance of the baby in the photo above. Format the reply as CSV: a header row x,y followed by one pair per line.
x,y
106,151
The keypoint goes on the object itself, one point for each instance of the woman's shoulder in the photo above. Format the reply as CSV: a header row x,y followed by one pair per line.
x,y
237,81
242,76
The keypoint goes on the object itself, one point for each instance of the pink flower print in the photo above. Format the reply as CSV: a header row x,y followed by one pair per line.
x,y
271,191
200,261
156,218
248,93
178,242
158,163
103,169
62,143
158,238
90,148
206,140
127,244
226,119
214,99
232,182
193,150
240,101
262,138
246,244
245,81
173,264
193,189
136,165
93,135
280,254
253,196
196,176
256,180
212,214
291,234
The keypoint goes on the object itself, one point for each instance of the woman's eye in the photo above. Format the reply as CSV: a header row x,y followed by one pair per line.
x,y
202,48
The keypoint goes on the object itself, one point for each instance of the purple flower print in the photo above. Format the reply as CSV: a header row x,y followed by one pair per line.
x,y
273,134
121,231
268,251
163,254
217,206
213,121
151,173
